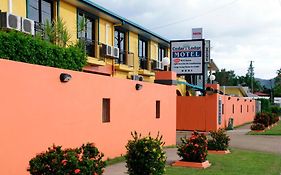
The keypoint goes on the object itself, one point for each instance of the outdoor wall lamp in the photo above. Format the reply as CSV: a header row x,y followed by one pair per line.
x,y
245,100
229,98
64,77
138,86
238,99
250,100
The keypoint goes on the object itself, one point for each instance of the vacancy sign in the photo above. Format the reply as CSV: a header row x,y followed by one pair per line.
x,y
187,57
197,33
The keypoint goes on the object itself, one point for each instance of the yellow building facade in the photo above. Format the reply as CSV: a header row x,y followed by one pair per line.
x,y
140,50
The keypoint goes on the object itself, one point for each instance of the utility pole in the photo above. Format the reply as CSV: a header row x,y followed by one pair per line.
x,y
252,76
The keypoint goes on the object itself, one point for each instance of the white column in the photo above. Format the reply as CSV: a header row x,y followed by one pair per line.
x,y
10,6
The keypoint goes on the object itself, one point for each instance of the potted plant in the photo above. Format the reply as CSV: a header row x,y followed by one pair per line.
x,y
257,127
193,151
145,155
219,142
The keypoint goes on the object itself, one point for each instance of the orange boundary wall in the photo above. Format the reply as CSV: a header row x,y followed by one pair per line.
x,y
38,110
201,112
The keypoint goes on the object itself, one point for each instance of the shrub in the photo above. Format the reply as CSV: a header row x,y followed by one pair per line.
x,y
276,110
145,155
25,48
193,149
219,140
265,105
262,118
257,126
84,160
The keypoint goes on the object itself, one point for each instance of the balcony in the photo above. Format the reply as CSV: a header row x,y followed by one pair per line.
x,y
125,62
157,65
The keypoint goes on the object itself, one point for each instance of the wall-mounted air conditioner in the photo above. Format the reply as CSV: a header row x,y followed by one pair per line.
x,y
27,26
10,21
106,50
137,77
115,52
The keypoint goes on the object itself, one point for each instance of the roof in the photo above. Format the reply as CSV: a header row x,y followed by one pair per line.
x,y
100,11
240,88
261,94
212,66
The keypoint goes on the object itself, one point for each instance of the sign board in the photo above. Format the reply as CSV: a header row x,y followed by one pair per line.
x,y
187,57
220,111
197,33
207,51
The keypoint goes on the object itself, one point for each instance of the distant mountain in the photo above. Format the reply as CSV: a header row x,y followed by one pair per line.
x,y
266,83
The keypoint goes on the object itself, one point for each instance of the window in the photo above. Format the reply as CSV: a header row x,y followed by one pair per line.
x,y
247,108
222,108
233,108
143,53
161,53
241,108
105,110
86,32
157,109
120,42
40,10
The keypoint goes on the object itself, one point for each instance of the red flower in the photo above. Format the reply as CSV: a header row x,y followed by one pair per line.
x,y
63,162
77,171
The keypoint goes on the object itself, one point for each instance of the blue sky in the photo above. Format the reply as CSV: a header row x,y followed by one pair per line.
x,y
239,30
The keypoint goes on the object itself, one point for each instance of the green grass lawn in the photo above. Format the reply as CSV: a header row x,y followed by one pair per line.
x,y
276,130
239,162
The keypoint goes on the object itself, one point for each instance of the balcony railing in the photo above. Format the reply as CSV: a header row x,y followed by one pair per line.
x,y
143,61
126,58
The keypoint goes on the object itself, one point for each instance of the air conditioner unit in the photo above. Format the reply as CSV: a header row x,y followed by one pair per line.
x,y
106,50
115,52
137,77
10,21
27,26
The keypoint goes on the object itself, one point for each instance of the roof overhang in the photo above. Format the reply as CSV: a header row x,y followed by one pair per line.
x,y
212,66
101,12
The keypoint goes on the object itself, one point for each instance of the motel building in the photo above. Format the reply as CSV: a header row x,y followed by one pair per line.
x,y
124,87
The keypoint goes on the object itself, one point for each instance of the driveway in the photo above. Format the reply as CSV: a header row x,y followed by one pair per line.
x,y
239,139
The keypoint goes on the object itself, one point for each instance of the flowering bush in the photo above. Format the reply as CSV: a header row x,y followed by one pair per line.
x,y
145,155
219,140
84,160
257,126
262,118
193,149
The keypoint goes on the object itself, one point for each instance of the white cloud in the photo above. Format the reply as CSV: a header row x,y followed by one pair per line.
x,y
240,31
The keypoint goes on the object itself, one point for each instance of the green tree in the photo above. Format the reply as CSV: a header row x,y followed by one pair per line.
x,y
226,78
249,80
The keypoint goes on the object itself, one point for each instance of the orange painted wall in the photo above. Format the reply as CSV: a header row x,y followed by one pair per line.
x,y
196,113
239,117
201,112
38,110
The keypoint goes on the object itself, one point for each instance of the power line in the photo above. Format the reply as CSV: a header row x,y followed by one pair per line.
x,y
194,17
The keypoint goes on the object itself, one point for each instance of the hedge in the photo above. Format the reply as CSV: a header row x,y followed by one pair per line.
x,y
25,48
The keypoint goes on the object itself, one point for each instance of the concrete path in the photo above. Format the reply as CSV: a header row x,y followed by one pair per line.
x,y
238,137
